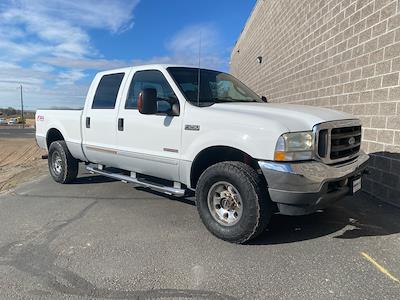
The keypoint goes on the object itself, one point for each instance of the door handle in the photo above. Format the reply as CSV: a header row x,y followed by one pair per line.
x,y
121,124
87,122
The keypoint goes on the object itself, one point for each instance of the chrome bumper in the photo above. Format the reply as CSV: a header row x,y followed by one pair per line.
x,y
302,187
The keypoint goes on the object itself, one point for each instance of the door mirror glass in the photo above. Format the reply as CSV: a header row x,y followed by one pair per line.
x,y
163,107
174,106
169,107
263,98
147,101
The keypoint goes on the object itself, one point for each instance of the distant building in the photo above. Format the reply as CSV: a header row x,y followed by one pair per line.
x,y
340,54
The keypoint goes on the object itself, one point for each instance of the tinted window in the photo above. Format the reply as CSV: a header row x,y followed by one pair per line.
x,y
107,91
150,79
215,87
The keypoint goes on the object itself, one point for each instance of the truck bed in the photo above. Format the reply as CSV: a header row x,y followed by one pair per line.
x,y
67,122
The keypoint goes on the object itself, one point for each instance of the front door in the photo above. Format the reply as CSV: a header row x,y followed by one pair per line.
x,y
149,144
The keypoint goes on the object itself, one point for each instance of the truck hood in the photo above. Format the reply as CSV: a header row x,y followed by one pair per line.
x,y
293,117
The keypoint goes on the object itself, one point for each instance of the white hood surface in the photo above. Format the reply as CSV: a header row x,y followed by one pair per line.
x,y
293,117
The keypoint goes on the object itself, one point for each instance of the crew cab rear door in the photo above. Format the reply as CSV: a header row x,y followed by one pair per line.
x,y
149,144
99,121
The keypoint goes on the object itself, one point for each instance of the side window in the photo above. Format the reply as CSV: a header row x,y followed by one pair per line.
x,y
150,79
107,91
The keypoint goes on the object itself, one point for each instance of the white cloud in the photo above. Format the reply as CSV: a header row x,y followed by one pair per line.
x,y
42,68
183,48
46,44
114,15
15,75
189,38
86,63
52,36
70,77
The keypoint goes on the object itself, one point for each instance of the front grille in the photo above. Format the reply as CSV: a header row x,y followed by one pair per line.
x,y
338,140
323,143
345,141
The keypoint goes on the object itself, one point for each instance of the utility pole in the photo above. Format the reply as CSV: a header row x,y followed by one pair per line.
x,y
22,109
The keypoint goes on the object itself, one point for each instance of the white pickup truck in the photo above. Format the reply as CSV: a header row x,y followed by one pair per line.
x,y
245,159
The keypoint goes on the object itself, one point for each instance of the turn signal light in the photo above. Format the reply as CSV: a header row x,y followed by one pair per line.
x,y
279,155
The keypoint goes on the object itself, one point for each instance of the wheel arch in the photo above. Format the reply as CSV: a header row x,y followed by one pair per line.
x,y
215,154
53,134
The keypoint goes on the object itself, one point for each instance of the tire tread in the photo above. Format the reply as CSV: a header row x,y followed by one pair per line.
x,y
71,165
263,205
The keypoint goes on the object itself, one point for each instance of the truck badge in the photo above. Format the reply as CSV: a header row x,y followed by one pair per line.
x,y
192,127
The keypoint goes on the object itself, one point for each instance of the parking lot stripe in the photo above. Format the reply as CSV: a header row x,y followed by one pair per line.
x,y
379,267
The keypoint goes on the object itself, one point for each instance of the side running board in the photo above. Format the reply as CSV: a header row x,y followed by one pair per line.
x,y
169,190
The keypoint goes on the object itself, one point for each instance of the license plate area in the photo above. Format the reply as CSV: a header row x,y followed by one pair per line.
x,y
355,185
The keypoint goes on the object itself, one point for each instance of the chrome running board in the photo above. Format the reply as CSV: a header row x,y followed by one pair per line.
x,y
169,190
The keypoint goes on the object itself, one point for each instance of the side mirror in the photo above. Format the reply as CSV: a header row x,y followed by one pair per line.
x,y
175,108
263,98
168,106
147,102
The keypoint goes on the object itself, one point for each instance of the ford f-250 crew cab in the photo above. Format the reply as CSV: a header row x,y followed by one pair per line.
x,y
175,129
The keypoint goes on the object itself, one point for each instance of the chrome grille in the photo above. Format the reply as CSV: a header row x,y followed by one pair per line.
x,y
338,141
345,141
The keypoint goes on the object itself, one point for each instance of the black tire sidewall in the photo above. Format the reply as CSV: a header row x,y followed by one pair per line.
x,y
56,147
245,227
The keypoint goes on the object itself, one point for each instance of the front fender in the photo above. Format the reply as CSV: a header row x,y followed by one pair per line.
x,y
259,144
206,127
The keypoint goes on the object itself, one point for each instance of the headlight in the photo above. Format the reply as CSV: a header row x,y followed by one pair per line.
x,y
295,146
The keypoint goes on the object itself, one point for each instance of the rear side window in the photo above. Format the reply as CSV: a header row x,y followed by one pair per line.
x,y
107,91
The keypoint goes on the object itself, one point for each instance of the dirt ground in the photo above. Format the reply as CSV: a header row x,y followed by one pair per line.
x,y
30,122
20,161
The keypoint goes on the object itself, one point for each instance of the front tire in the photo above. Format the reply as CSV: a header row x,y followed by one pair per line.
x,y
63,166
232,202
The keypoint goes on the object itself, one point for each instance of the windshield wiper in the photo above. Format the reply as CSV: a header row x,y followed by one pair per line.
x,y
222,100
228,99
245,101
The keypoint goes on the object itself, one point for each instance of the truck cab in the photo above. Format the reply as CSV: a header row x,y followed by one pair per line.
x,y
177,129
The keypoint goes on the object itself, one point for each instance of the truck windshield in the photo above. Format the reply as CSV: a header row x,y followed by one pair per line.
x,y
215,87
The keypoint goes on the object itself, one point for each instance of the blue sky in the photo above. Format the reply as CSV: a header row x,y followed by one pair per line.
x,y
53,48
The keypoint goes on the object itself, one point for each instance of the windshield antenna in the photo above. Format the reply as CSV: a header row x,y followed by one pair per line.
x,y
199,73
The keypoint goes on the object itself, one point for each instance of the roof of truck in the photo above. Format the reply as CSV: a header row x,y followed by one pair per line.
x,y
148,66
164,66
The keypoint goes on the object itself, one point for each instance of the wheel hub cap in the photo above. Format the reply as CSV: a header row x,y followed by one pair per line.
x,y
57,163
224,203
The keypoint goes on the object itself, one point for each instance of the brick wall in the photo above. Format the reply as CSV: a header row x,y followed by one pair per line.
x,y
342,54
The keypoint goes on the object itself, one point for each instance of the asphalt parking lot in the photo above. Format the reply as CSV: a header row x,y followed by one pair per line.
x,y
98,238
16,132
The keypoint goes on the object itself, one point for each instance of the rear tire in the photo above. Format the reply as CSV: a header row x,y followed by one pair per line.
x,y
233,202
63,166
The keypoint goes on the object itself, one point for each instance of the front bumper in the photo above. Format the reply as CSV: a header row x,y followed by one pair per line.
x,y
300,188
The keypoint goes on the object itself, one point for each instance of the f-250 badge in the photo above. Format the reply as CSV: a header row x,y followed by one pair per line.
x,y
192,127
